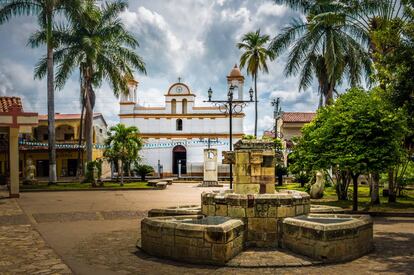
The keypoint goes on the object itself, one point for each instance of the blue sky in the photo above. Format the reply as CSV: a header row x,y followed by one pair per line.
x,y
192,39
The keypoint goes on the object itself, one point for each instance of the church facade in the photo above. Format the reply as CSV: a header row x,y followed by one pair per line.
x,y
177,133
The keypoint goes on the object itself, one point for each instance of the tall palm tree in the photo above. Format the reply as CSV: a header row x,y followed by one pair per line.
x,y
254,58
123,145
318,48
97,43
45,11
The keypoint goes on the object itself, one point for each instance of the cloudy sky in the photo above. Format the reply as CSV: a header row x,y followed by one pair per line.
x,y
192,39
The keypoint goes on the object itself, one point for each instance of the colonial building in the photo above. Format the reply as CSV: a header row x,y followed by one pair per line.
x,y
180,130
289,125
34,146
13,123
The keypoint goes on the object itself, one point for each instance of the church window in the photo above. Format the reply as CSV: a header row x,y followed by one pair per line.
x,y
184,106
179,125
173,106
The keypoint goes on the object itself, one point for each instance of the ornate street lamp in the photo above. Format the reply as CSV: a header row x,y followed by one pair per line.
x,y
277,113
230,107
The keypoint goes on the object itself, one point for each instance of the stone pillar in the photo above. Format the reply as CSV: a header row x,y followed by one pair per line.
x,y
254,162
210,172
14,162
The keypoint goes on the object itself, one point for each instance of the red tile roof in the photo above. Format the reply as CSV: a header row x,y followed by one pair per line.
x,y
59,116
297,117
7,102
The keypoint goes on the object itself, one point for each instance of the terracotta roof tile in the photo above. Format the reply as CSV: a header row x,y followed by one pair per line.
x,y
59,116
7,102
297,117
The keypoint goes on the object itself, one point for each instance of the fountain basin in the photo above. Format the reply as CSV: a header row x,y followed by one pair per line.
x,y
193,238
329,237
325,209
262,213
175,211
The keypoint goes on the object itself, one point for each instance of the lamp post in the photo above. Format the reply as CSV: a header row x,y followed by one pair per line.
x,y
276,114
230,107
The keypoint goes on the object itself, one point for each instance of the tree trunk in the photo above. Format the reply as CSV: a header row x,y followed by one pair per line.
x,y
121,171
255,105
392,197
329,95
80,137
375,177
355,195
89,125
51,103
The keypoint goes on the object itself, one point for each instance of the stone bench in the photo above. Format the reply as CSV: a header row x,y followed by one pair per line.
x,y
153,182
161,185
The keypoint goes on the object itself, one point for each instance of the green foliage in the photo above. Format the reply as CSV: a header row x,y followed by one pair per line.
x,y
321,47
123,143
143,170
358,134
254,58
249,137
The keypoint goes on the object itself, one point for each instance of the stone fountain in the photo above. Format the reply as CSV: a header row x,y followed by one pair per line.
x,y
253,215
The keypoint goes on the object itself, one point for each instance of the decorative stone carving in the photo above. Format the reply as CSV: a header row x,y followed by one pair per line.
x,y
316,190
30,173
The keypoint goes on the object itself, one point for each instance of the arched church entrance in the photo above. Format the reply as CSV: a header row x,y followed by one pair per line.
x,y
179,154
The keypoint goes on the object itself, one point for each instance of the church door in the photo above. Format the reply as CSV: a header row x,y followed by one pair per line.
x,y
179,153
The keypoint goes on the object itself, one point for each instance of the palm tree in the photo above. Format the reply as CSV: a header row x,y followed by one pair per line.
x,y
98,44
123,144
318,48
254,57
45,11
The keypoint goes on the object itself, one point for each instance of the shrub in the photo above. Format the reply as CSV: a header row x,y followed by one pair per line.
x,y
143,170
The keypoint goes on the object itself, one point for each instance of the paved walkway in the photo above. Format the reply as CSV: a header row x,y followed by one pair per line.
x,y
96,232
23,250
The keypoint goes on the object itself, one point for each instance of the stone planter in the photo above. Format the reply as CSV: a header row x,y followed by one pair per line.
x,y
193,239
329,237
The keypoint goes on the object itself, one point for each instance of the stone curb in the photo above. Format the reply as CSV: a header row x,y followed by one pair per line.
x,y
381,214
92,189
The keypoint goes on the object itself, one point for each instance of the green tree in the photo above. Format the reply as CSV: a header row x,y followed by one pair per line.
x,y
321,48
254,57
124,145
45,11
394,70
357,135
97,43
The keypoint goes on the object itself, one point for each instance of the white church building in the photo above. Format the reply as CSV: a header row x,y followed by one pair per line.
x,y
179,131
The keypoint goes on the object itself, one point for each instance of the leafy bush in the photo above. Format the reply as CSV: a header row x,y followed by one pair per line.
x,y
302,178
143,170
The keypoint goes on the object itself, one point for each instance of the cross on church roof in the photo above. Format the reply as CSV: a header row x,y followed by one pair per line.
x,y
179,79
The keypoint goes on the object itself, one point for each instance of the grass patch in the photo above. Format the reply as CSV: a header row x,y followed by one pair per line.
x,y
404,203
77,185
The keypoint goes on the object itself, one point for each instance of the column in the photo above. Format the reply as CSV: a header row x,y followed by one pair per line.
x,y
14,162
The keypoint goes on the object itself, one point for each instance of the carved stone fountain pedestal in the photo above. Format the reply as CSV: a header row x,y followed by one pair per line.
x,y
253,215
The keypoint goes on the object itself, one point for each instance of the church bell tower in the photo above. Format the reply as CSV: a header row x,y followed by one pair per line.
x,y
236,79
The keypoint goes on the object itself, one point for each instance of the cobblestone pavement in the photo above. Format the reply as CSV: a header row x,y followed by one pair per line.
x,y
116,251
96,233
23,250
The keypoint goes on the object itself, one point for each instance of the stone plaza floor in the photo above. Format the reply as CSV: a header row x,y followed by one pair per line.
x,y
96,232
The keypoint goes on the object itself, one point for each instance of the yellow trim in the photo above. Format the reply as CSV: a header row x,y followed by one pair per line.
x,y
188,136
212,116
